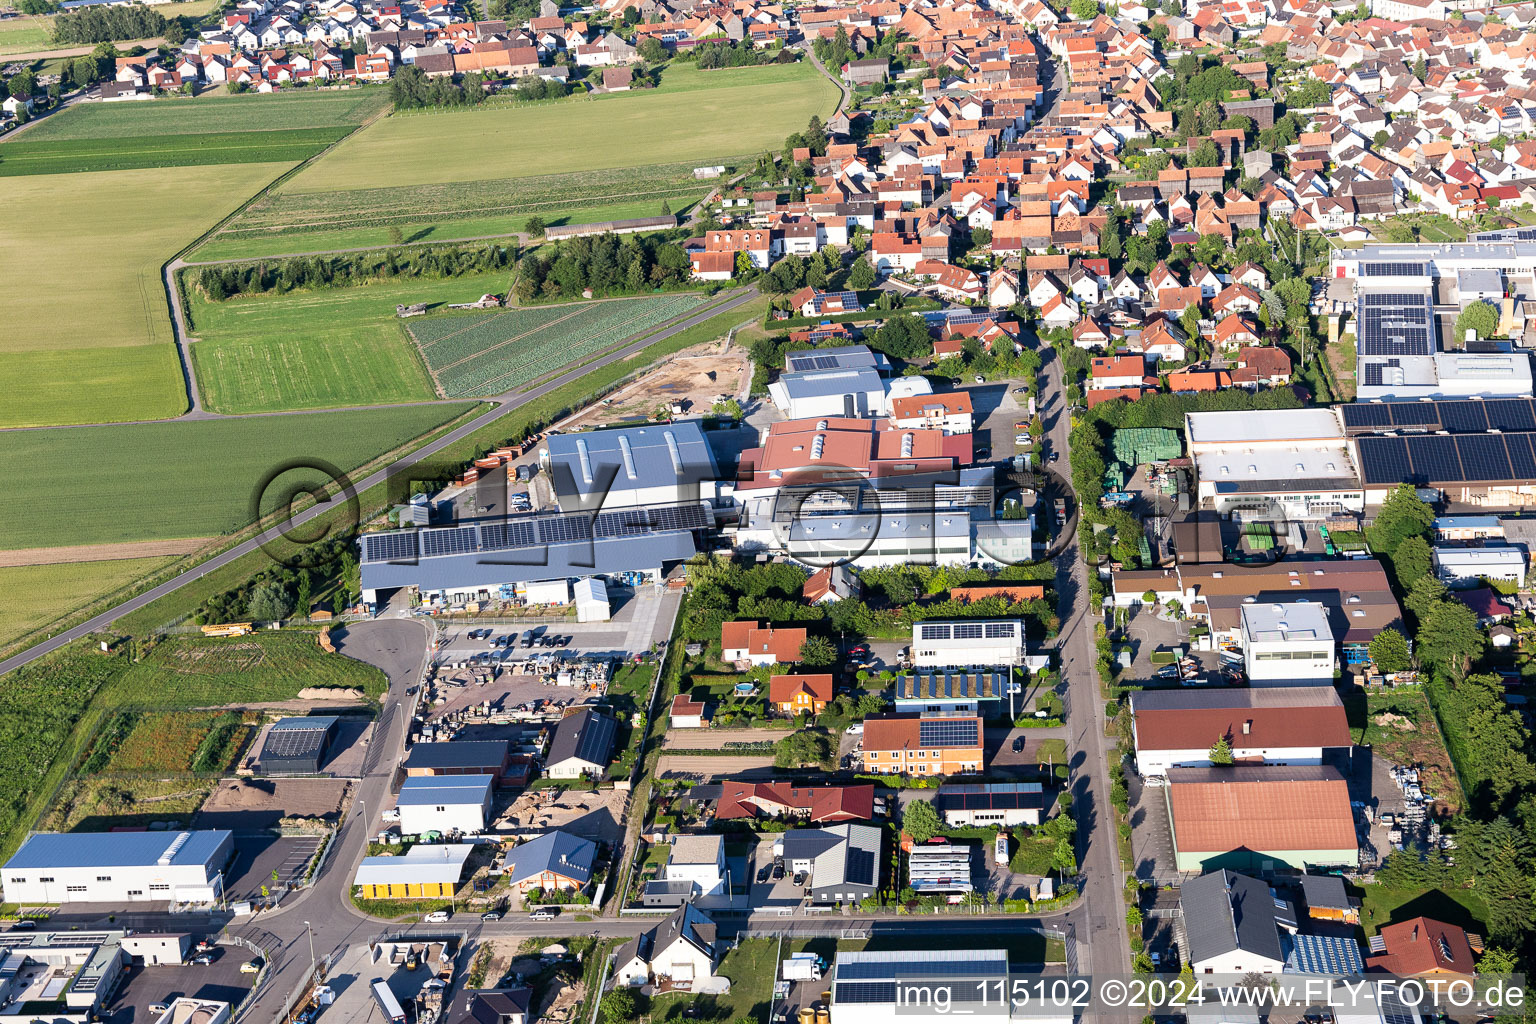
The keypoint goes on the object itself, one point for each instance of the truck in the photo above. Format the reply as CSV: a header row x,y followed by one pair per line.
x,y
1059,506
803,967
393,1012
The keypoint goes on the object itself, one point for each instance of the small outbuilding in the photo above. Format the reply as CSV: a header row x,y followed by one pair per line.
x,y
298,745
592,601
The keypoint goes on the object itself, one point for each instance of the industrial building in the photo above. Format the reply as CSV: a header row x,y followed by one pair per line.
x,y
297,746
1355,592
846,381
446,803
864,984
991,804
490,559
118,867
1261,818
631,467
73,973
1272,724
968,642
1291,464
459,757
425,871
1287,642
1469,567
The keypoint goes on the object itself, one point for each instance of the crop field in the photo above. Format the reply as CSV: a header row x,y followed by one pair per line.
x,y
694,117
196,478
82,287
307,221
31,596
488,354
157,741
63,156
214,112
35,34
319,349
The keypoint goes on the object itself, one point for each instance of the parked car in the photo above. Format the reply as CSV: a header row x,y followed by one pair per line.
x,y
544,914
204,960
250,967
799,878
859,650
24,926
778,872
1157,960
1018,745
491,915
763,873
158,1007
565,641
528,638
983,453
437,917
1054,457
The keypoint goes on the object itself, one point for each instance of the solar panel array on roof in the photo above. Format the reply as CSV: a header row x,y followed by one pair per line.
x,y
1375,373
1393,270
512,533
948,732
1466,416
1395,324
1440,459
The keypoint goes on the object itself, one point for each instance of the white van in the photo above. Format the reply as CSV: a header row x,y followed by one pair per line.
x,y
436,917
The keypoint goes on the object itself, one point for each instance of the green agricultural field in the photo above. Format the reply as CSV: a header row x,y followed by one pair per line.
x,y
318,349
484,354
64,156
695,117
83,254
216,111
26,35
31,596
195,478
282,222
191,671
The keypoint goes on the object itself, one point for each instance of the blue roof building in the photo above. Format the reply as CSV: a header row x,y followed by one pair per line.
x,y
118,867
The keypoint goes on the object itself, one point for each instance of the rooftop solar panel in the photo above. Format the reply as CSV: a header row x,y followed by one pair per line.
x,y
460,540
1395,324
1411,415
1384,460
1462,417
1515,414
1364,417
394,546
1434,457
1393,270
1483,457
1522,457
948,732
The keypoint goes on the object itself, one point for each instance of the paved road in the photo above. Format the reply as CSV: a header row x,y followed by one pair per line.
x,y
845,97
503,405
1101,919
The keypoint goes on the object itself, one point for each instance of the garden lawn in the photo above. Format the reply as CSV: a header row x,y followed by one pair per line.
x,y
1381,906
751,969
83,254
156,481
64,156
26,34
215,111
696,116
31,596
318,349
486,354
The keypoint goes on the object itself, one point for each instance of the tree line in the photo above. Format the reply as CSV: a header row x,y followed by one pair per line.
x,y
101,24
228,280
608,264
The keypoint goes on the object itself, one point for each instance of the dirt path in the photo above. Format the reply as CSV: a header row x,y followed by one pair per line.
x,y
709,765
77,51
101,552
716,739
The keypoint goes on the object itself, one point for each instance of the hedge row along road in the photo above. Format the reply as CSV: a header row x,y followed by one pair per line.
x,y
504,404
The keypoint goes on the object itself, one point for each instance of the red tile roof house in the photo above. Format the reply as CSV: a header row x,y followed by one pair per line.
x,y
751,642
791,695
1111,372
816,805
831,583
1423,946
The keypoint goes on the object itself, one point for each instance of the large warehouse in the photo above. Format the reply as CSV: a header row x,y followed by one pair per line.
x,y
118,867
487,559
628,467
1261,818
1283,464
297,746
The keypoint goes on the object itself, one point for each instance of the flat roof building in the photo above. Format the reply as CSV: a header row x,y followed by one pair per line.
x,y
990,804
1467,567
1287,642
425,871
630,467
968,642
864,984
448,803
118,867
297,746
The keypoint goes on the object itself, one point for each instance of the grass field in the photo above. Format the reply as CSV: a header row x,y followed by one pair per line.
x,y
189,670
214,112
283,222
96,485
488,353
693,117
34,34
150,741
83,254
31,596
64,156
318,349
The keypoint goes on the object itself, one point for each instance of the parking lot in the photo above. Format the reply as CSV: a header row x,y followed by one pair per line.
x,y
258,856
143,987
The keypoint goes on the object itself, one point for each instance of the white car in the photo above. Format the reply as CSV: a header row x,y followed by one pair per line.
x,y
856,729
436,917
393,814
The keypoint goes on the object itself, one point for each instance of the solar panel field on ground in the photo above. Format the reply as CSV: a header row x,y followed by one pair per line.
x,y
484,354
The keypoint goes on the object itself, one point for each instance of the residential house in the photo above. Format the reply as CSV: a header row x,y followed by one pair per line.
x,y
794,694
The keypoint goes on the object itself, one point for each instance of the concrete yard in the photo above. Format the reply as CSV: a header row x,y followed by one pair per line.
x,y
143,987
257,856
694,377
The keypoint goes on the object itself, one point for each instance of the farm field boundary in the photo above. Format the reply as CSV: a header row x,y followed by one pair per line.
x,y
64,156
210,114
